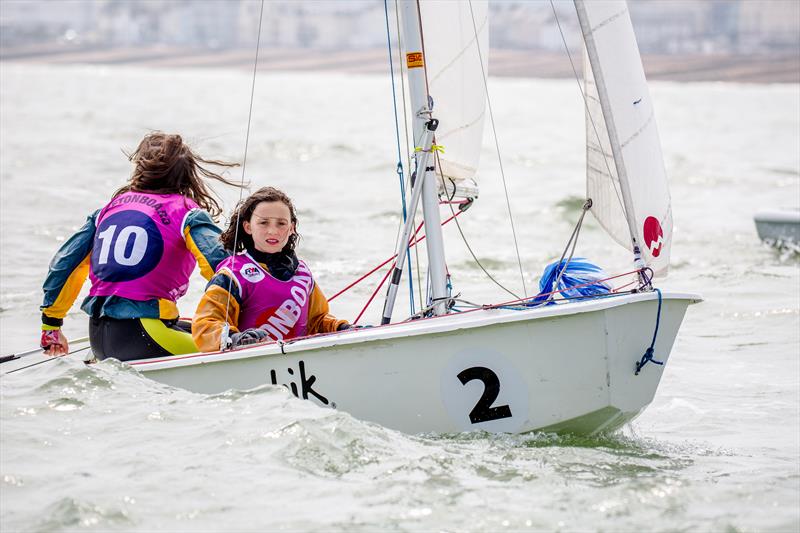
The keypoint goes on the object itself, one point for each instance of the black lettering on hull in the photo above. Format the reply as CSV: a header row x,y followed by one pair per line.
x,y
306,383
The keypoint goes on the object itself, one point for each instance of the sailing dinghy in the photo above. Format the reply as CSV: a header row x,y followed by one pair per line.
x,y
580,365
778,226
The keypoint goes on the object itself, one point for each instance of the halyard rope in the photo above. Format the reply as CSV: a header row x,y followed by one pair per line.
x,y
648,354
224,339
400,173
586,105
497,147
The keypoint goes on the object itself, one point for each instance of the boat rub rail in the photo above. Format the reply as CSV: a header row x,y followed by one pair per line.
x,y
443,324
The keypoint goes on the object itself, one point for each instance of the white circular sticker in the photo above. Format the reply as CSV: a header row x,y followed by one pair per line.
x,y
481,390
252,273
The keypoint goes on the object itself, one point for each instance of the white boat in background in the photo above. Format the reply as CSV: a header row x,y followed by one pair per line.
x,y
577,366
778,226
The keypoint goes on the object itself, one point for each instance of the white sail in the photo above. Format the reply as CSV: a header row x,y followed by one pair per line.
x,y
602,182
626,179
456,41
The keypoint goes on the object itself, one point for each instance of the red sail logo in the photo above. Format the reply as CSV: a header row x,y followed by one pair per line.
x,y
653,235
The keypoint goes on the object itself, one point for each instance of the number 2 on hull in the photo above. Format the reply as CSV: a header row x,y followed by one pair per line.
x,y
483,410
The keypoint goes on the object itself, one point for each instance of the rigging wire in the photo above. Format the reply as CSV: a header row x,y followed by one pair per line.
x,y
573,240
244,159
519,305
597,137
497,147
400,173
586,106
48,359
441,177
438,162
475,258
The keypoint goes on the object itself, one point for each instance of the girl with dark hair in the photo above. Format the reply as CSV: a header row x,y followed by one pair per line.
x,y
139,251
263,292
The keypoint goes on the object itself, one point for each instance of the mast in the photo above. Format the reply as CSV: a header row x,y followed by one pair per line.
x,y
444,61
422,160
421,104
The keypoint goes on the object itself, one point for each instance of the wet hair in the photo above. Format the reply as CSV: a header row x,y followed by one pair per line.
x,y
164,164
244,211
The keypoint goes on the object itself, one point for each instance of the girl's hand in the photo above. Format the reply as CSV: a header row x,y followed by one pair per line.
x,y
345,326
54,342
248,336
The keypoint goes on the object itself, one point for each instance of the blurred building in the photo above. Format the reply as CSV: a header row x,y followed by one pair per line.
x,y
662,26
37,21
764,26
318,24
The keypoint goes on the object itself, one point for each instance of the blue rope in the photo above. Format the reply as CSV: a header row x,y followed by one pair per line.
x,y
648,354
399,153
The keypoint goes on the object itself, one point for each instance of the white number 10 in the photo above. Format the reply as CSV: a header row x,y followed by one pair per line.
x,y
121,243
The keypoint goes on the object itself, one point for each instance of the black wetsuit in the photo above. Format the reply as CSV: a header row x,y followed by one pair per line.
x,y
127,340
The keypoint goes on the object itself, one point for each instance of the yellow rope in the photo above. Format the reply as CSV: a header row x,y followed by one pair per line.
x,y
434,148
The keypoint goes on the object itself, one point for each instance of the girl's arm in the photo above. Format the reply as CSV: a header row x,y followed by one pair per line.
x,y
222,293
202,239
319,319
67,272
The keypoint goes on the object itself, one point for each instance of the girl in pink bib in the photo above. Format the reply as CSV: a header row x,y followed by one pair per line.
x,y
263,292
139,251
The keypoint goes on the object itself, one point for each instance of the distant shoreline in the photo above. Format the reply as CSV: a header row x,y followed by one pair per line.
x,y
783,68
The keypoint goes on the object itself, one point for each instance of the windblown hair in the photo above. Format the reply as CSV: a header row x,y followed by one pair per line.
x,y
164,164
244,211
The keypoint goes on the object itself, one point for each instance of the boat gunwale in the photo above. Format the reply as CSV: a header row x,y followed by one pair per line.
x,y
786,215
433,325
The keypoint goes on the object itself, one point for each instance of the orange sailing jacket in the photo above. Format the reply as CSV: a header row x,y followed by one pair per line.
x,y
221,292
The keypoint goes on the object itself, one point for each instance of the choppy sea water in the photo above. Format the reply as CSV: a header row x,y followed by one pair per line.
x,y
102,448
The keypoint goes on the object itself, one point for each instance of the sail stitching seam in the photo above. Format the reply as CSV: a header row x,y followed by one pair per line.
x,y
609,20
463,127
640,130
602,172
596,148
461,53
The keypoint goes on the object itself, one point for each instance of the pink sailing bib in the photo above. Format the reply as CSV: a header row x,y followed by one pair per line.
x,y
278,307
139,250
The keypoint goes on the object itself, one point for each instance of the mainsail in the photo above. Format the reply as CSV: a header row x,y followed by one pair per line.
x,y
626,179
456,41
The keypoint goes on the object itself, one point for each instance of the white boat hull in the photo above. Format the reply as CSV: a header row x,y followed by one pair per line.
x,y
778,225
567,368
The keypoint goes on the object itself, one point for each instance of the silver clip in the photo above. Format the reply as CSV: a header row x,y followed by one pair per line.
x,y
225,338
